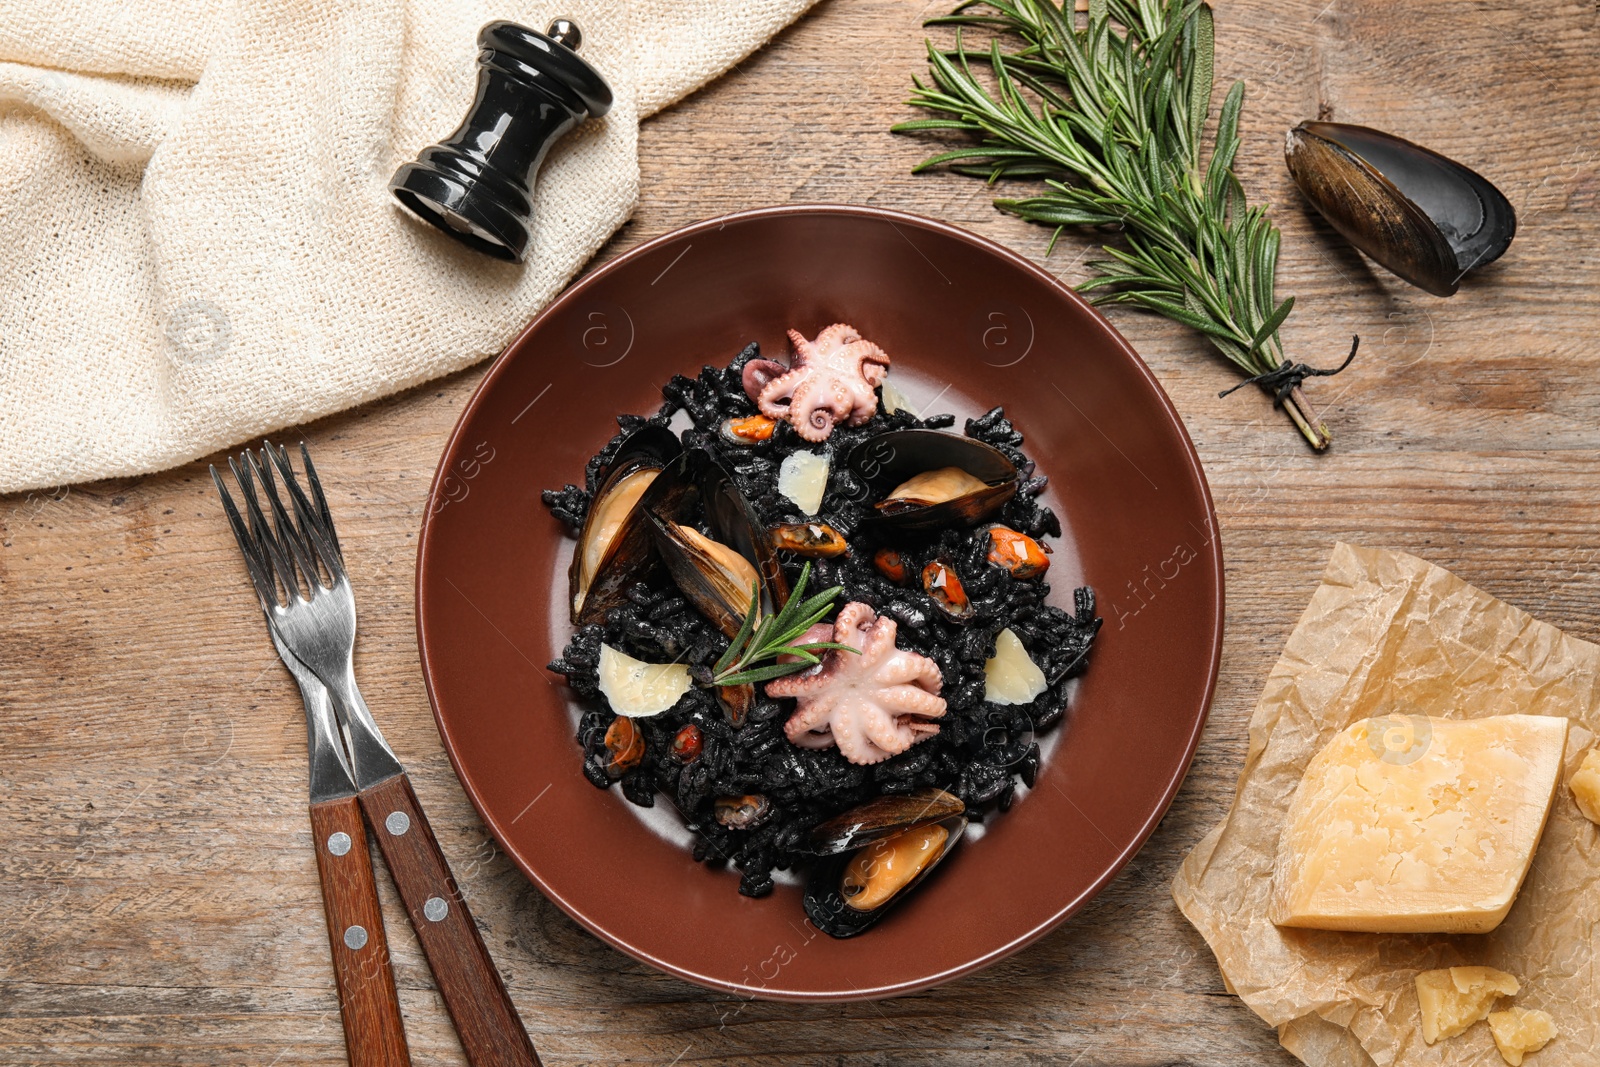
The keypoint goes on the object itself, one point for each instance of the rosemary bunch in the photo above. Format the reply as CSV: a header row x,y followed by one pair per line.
x,y
1111,117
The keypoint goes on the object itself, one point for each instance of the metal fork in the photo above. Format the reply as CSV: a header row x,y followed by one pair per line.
x,y
316,620
368,1006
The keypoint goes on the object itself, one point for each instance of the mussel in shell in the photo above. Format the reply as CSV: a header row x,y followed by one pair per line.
x,y
943,585
719,568
750,430
813,540
614,548
927,480
1422,215
891,564
1017,553
876,854
624,747
742,813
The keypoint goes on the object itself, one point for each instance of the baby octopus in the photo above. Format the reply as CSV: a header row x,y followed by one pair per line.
x,y
873,704
829,380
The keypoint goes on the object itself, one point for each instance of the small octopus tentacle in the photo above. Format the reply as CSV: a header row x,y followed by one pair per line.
x,y
910,700
885,731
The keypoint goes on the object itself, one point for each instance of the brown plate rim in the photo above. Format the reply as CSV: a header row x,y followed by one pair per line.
x,y
1213,555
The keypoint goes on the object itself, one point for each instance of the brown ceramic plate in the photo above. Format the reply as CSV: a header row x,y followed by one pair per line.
x,y
968,325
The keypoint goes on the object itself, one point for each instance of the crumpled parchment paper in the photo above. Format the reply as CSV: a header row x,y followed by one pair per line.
x,y
1390,633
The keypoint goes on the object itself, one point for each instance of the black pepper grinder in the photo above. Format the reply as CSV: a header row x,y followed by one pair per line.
x,y
477,184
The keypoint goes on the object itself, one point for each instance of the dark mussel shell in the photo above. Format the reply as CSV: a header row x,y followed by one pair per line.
x,y
696,488
881,817
890,459
630,552
875,826
1424,216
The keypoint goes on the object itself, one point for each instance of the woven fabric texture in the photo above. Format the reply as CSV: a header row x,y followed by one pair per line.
x,y
200,245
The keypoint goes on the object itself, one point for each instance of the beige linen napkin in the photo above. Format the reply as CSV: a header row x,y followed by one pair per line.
x,y
197,242
1389,633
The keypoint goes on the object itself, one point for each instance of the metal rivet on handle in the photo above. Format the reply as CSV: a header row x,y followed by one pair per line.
x,y
436,908
355,937
339,843
397,823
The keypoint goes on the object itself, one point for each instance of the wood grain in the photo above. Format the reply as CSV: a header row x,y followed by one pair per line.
x,y
159,894
374,1033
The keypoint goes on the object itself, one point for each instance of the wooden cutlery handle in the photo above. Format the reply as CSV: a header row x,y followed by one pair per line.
x,y
373,1033
486,1021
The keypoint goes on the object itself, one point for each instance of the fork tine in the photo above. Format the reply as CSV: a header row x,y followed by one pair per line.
x,y
276,553
320,500
266,592
289,535
310,522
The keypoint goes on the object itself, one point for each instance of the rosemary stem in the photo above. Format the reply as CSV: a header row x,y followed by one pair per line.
x,y
1308,420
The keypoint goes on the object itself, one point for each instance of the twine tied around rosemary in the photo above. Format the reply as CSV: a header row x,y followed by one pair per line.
x,y
1286,377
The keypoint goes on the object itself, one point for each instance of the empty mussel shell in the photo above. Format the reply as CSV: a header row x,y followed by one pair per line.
x,y
928,480
891,844
1422,215
614,548
718,568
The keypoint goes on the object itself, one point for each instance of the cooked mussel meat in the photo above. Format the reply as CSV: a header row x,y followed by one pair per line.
x,y
875,854
687,743
614,547
943,586
742,813
1017,552
891,564
813,540
737,701
1422,215
926,480
750,430
718,568
880,870
624,743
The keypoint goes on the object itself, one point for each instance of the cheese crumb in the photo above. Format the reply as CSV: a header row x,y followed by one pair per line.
x,y
1011,676
638,689
1586,785
1454,998
1519,1031
803,478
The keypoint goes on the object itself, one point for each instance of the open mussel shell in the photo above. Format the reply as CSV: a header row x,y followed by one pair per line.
x,y
615,548
1424,216
881,817
876,854
714,567
890,460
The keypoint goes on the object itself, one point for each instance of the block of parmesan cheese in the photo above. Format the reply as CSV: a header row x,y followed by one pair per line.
x,y
1410,824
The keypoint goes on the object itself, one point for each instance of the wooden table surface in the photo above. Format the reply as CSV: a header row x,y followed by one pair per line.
x,y
159,902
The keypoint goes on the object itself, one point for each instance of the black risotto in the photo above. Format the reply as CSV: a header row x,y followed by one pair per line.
x,y
981,748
